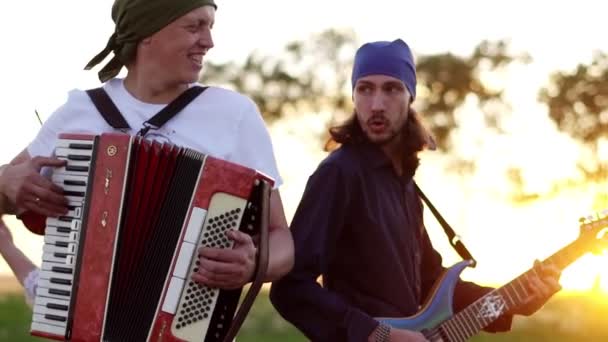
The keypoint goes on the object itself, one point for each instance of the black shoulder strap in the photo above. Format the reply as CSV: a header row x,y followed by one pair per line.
x,y
107,108
114,118
172,109
452,237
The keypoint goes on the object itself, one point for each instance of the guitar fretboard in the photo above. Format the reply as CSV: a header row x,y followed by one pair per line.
x,y
490,307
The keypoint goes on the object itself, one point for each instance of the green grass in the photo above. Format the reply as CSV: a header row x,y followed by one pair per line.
x,y
565,318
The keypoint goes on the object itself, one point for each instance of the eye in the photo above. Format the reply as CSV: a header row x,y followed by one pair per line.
x,y
192,28
364,89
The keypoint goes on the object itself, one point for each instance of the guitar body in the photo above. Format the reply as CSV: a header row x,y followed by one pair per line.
x,y
438,306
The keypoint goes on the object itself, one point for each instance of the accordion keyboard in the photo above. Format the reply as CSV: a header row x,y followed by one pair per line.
x,y
55,286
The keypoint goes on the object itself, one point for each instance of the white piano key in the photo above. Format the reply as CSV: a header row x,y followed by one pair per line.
x,y
50,293
48,285
57,275
75,188
43,310
58,231
64,152
57,267
60,179
47,328
58,222
54,240
63,171
71,249
41,319
173,294
65,143
53,303
183,259
67,260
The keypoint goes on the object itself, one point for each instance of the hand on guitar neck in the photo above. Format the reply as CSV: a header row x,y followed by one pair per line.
x,y
542,283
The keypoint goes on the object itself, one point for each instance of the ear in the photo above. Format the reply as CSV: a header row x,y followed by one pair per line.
x,y
146,41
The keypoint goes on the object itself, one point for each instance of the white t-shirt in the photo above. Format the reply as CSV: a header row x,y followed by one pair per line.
x,y
219,122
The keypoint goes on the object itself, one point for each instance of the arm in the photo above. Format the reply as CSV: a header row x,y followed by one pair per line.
x,y
320,314
280,240
23,268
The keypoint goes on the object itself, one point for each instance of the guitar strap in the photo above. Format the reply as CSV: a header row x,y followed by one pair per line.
x,y
454,239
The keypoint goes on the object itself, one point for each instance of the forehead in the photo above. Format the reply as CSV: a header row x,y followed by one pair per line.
x,y
378,80
206,13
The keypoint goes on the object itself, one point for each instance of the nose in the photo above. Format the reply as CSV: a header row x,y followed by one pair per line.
x,y
378,102
206,39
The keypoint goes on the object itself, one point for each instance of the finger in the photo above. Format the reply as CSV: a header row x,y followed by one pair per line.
x,y
46,184
39,162
239,237
49,197
217,267
36,207
225,255
213,283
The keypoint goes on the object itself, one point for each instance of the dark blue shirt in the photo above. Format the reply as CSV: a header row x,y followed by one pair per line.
x,y
359,225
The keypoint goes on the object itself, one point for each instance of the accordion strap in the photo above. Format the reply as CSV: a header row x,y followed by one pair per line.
x,y
260,271
114,118
454,239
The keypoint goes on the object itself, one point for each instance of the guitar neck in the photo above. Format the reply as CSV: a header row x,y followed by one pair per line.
x,y
490,307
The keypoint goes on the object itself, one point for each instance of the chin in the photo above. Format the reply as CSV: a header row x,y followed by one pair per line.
x,y
379,139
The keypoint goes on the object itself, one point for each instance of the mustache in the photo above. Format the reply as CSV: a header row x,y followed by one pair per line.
x,y
377,118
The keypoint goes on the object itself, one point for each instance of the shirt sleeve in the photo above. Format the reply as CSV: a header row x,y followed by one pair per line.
x,y
320,314
254,147
30,284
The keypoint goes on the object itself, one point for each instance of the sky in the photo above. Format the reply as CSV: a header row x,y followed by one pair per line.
x,y
45,45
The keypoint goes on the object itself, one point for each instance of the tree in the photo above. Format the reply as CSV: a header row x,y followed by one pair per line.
x,y
314,75
578,103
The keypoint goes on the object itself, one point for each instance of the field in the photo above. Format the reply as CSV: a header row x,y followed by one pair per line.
x,y
577,318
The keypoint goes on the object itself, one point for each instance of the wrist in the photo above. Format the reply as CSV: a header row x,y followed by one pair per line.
x,y
382,333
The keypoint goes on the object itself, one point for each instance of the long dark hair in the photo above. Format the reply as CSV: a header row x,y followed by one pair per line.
x,y
416,138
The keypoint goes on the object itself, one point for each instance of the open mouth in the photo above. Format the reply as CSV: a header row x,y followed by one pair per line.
x,y
377,125
196,59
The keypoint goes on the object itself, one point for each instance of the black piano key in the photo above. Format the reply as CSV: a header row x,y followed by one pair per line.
x,y
78,157
73,193
77,168
57,306
74,182
60,269
55,318
64,229
61,244
60,281
65,218
59,292
76,146
60,255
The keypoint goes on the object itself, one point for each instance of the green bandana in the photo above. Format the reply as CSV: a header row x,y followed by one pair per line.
x,y
136,20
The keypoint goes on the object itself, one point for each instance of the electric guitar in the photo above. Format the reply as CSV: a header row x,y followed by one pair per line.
x,y
436,320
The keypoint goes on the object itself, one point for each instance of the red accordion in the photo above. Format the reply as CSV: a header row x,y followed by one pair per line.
x,y
118,266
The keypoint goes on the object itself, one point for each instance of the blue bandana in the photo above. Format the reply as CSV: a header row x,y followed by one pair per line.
x,y
386,58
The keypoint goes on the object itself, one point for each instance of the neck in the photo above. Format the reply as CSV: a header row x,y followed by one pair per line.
x,y
394,151
147,88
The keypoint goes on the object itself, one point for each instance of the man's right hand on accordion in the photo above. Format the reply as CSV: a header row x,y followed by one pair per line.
x,y
227,268
26,189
